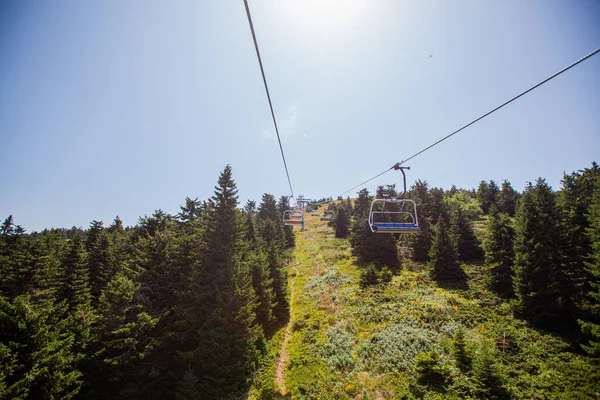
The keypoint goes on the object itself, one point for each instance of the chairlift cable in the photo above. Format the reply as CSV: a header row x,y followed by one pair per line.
x,y
262,71
480,118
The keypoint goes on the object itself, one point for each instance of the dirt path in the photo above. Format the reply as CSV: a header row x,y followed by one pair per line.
x,y
282,360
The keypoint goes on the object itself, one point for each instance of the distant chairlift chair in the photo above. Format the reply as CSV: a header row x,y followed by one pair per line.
x,y
292,218
328,215
382,220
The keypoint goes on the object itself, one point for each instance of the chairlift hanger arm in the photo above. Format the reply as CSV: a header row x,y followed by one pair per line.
x,y
398,167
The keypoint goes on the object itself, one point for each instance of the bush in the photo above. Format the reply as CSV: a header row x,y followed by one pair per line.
x,y
371,275
394,348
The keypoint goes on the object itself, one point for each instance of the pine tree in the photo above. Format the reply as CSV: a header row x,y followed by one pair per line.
x,y
507,199
575,200
443,256
126,341
487,194
499,252
16,273
224,300
342,223
421,243
36,348
189,387
486,376
467,245
191,211
99,260
368,247
257,262
540,283
591,328
460,352
250,212
271,237
76,286
283,205
431,370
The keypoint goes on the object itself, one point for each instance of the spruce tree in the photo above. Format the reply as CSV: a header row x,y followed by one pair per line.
x,y
487,378
540,283
443,256
368,247
189,387
191,211
460,352
499,252
467,245
487,194
421,243
591,327
575,200
75,284
225,302
283,205
342,223
37,348
16,272
126,334
507,199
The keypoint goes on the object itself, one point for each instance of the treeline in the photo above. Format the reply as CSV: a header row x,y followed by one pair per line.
x,y
541,248
178,306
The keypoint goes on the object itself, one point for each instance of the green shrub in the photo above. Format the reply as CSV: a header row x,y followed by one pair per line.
x,y
339,349
394,348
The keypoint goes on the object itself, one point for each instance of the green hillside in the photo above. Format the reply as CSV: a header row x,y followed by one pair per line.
x,y
351,343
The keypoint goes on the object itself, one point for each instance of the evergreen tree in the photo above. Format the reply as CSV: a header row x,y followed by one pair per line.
x,y
273,248
16,273
486,376
99,262
443,256
507,199
467,245
126,341
368,247
225,302
487,194
591,327
258,264
421,243
342,222
36,348
250,212
431,370
191,211
499,252
540,283
283,205
75,286
349,206
189,388
575,200
460,352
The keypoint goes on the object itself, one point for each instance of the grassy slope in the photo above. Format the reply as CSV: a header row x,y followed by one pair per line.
x,y
349,342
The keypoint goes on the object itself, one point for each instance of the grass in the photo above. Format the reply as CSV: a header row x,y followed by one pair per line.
x,y
353,343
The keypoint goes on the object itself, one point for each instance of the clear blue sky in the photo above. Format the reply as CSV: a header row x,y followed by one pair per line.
x,y
122,107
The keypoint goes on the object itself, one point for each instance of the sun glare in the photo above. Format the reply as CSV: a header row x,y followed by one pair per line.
x,y
325,17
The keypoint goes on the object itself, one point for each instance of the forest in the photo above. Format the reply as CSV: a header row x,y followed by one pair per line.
x,y
497,298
